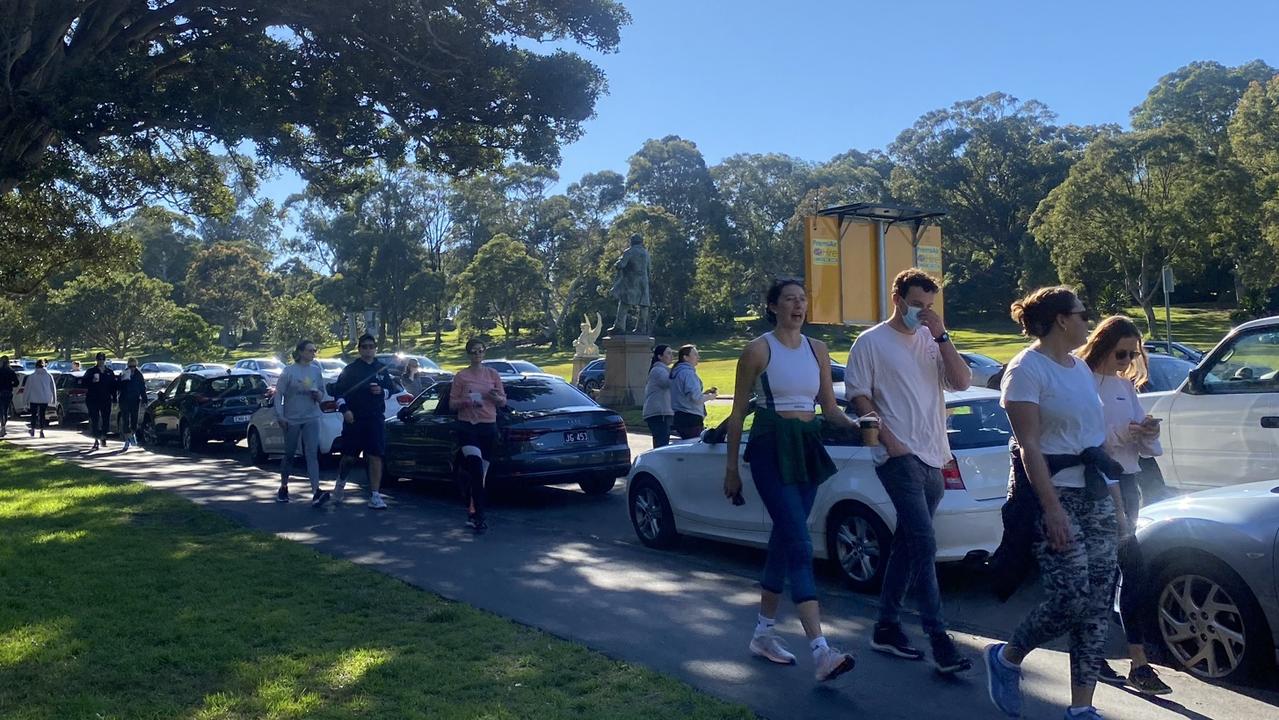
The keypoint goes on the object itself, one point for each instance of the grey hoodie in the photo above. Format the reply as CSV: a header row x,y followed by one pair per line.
x,y
293,401
686,390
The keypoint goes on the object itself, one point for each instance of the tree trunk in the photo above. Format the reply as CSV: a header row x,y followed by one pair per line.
x,y
439,321
1151,324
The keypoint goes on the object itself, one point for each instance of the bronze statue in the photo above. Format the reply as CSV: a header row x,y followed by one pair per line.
x,y
631,288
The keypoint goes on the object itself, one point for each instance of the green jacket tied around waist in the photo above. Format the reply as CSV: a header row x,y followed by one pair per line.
x,y
801,457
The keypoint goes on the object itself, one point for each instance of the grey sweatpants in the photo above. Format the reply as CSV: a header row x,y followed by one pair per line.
x,y
1079,584
309,433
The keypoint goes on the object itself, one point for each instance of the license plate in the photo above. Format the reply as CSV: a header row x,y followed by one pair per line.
x,y
576,436
241,418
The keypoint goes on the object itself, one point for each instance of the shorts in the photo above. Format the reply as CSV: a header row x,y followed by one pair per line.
x,y
366,435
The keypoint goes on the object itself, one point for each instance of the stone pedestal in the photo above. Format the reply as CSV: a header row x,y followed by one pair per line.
x,y
626,370
580,362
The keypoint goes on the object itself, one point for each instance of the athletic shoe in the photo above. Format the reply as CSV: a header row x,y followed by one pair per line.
x,y
282,495
947,657
41,433
1002,682
1147,681
32,432
888,638
318,499
832,663
95,443
1089,713
338,493
771,648
1109,676
126,445
376,502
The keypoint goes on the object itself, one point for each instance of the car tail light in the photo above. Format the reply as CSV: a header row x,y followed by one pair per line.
x,y
404,398
77,392
329,406
951,477
523,434
619,428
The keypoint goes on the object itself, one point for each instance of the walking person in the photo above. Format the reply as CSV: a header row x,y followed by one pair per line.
x,y
900,370
1114,352
42,394
789,375
657,396
1058,422
688,400
298,394
132,392
361,391
100,391
476,394
8,383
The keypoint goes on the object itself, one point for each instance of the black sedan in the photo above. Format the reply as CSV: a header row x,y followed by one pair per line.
x,y
203,405
550,433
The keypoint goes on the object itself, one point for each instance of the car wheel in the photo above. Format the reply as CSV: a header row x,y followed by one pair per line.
x,y
61,416
191,440
858,543
651,514
147,433
257,455
597,485
591,386
1210,623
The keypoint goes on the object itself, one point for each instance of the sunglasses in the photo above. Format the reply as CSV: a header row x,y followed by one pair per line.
x,y
476,351
1125,354
1086,314
367,346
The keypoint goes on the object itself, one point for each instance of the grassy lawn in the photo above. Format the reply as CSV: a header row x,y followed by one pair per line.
x,y
124,602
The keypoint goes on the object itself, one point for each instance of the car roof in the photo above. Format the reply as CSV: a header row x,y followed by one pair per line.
x,y
972,393
1272,321
222,373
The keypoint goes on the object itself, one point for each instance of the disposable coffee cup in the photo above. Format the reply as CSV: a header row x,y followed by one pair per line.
x,y
375,389
870,431
476,398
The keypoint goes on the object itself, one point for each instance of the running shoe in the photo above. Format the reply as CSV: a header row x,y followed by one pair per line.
x,y
771,648
832,663
376,502
1109,676
1147,681
947,657
318,499
1002,682
888,638
282,496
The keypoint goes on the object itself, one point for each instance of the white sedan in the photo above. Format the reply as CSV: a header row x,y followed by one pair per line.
x,y
679,489
266,438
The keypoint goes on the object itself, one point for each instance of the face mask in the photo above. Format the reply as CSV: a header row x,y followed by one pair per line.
x,y
911,318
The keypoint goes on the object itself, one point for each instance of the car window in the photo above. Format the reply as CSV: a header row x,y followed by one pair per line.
x,y
155,384
1248,365
236,384
522,366
977,424
1166,373
501,367
428,402
427,363
270,365
184,385
530,396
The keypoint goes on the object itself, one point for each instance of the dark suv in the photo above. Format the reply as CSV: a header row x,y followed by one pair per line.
x,y
204,405
72,408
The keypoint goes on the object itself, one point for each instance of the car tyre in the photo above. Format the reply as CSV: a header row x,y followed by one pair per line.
x,y
147,434
191,440
257,455
651,514
1231,643
61,416
857,543
597,485
592,386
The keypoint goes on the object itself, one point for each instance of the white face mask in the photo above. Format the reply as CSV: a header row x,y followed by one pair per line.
x,y
911,318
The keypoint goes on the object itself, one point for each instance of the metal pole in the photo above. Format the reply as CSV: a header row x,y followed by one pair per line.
x,y
1167,319
883,273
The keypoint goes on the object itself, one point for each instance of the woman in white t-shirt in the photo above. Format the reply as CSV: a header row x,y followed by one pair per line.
x,y
1114,354
1052,403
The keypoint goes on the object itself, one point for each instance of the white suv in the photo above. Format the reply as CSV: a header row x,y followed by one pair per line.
x,y
1221,427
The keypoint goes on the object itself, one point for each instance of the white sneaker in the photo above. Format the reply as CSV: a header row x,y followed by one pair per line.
x,y
375,501
833,663
771,647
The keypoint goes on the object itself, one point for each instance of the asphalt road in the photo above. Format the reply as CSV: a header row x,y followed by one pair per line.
x,y
570,564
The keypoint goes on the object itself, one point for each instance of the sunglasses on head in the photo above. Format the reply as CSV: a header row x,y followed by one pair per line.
x,y
1126,354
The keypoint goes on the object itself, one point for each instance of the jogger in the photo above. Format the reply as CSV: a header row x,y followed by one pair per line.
x,y
476,394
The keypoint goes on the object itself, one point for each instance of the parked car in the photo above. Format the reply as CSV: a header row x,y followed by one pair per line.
x,y
678,490
330,367
159,367
428,367
1221,426
59,366
591,377
203,405
982,367
551,433
515,367
155,382
195,367
268,368
1215,583
72,406
20,404
1175,349
1166,373
266,437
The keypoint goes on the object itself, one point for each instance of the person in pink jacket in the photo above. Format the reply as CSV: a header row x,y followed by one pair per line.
x,y
476,395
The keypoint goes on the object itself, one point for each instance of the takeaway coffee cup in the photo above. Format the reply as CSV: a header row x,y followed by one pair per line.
x,y
870,430
477,398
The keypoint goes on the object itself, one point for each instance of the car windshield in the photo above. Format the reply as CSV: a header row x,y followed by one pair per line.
x,y
1167,373
270,365
164,367
426,363
539,396
977,424
331,364
157,383
981,360
117,365
236,384
522,366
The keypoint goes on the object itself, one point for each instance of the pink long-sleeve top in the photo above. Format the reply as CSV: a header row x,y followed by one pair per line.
x,y
476,380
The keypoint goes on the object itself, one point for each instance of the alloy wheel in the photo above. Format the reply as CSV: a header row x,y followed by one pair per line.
x,y
647,511
1202,626
857,544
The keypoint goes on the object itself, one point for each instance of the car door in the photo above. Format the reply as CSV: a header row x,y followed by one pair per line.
x,y
165,412
420,441
1223,426
695,487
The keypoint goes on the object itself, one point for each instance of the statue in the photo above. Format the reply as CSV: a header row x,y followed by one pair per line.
x,y
585,343
631,288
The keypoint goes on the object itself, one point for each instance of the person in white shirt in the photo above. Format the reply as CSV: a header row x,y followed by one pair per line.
x,y
900,370
1114,353
1056,415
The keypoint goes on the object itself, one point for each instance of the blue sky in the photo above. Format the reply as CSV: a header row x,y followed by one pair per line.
x,y
813,79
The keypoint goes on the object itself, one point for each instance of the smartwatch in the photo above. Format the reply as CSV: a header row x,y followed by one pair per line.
x,y
944,337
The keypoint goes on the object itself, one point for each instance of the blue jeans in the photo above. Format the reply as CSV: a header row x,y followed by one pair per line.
x,y
790,549
915,489
660,428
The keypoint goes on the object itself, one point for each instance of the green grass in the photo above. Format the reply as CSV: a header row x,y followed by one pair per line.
x,y
125,602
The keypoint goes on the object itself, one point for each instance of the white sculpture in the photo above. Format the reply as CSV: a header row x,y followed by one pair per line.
x,y
585,343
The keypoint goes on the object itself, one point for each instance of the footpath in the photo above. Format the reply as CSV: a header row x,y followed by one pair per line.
x,y
677,615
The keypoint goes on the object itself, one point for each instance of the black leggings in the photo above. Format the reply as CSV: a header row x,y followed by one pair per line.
x,y
1134,594
38,411
484,437
129,417
100,419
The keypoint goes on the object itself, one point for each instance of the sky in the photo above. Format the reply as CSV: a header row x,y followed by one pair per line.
x,y
814,78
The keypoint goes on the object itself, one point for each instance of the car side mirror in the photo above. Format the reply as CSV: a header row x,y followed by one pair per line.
x,y
1195,380
405,414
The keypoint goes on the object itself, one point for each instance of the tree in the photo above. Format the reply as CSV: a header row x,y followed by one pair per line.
x,y
503,282
227,284
167,241
671,173
118,310
298,317
1254,139
987,162
1134,203
191,338
47,231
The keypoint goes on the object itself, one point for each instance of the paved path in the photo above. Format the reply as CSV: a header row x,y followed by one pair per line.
x,y
569,563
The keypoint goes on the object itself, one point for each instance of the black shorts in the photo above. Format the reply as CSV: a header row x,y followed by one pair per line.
x,y
366,435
